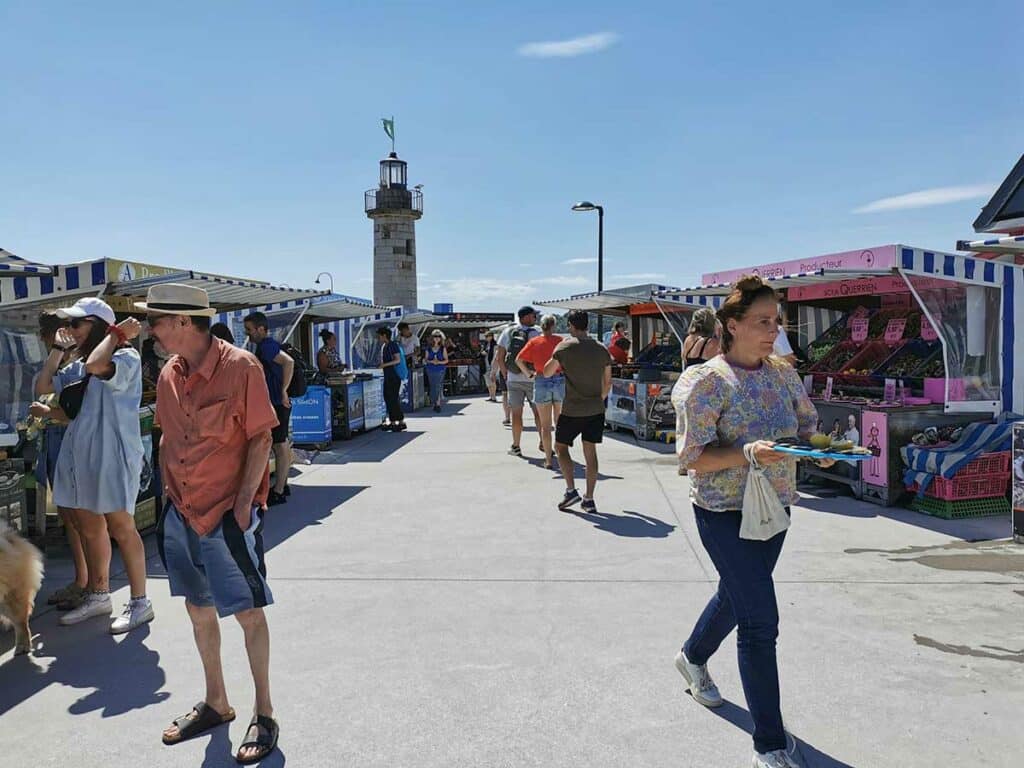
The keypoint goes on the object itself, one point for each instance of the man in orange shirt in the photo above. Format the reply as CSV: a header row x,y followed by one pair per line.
x,y
215,413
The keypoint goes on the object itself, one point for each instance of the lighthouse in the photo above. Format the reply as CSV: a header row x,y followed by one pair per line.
x,y
394,210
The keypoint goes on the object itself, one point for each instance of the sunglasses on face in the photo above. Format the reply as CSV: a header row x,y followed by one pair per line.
x,y
78,322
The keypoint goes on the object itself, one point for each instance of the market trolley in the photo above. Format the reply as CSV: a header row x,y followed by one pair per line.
x,y
640,400
897,339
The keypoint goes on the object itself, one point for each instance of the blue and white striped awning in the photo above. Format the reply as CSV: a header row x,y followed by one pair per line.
x,y
225,293
68,283
12,266
1005,245
615,301
344,308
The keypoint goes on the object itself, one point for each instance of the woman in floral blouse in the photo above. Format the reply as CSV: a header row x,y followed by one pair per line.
x,y
744,396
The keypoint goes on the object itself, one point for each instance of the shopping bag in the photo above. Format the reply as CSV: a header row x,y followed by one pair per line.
x,y
763,514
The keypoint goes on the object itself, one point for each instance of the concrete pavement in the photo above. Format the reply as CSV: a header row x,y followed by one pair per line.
x,y
435,609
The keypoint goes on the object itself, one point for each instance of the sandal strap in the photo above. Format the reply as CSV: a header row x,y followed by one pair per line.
x,y
264,725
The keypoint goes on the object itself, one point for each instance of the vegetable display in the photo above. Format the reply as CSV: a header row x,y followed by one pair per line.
x,y
934,369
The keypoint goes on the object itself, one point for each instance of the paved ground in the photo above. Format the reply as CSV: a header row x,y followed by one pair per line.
x,y
435,609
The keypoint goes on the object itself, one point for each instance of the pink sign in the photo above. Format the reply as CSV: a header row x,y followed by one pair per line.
x,y
828,388
890,390
874,433
927,332
859,329
894,330
870,286
957,391
858,312
884,257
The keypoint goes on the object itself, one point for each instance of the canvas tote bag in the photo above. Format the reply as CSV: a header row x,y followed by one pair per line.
x,y
763,513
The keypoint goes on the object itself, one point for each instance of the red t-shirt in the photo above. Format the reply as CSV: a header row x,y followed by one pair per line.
x,y
538,351
618,354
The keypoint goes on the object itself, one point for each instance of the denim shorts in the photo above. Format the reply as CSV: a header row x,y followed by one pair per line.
x,y
223,569
548,390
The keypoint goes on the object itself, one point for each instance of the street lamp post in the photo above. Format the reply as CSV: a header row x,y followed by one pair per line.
x,y
588,206
317,281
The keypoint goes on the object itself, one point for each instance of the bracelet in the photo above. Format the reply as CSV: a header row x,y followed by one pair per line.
x,y
116,331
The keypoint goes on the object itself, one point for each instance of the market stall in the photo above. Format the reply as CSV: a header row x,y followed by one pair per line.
x,y
464,331
640,397
896,340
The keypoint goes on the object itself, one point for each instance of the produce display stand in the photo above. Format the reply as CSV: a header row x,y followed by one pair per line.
x,y
899,339
120,284
640,397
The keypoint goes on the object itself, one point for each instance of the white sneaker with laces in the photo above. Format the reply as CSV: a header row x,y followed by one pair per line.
x,y
135,614
775,759
702,687
93,605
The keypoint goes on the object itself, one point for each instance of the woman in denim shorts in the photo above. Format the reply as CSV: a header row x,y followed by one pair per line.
x,y
548,391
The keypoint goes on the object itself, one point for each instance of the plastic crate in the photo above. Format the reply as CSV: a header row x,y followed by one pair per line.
x,y
957,510
870,356
958,488
923,350
987,464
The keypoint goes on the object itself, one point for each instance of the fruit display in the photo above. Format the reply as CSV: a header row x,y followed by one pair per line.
x,y
857,372
820,441
818,351
933,369
903,363
840,358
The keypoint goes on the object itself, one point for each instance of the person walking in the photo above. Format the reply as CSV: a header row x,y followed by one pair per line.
x,y
586,365
98,469
327,359
548,391
54,425
520,386
487,350
437,363
735,404
701,343
278,369
392,362
216,415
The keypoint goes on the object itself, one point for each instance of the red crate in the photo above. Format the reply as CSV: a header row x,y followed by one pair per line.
x,y
985,477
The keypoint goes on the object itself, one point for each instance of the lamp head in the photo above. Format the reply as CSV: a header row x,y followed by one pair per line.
x,y
584,205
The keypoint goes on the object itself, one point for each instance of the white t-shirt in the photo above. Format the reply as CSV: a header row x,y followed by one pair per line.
x,y
782,347
506,341
409,345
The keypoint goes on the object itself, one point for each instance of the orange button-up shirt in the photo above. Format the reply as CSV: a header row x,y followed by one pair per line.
x,y
208,417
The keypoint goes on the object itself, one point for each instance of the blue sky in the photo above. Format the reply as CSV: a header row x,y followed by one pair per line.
x,y
239,137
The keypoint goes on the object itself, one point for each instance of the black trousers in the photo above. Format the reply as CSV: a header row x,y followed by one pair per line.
x,y
392,388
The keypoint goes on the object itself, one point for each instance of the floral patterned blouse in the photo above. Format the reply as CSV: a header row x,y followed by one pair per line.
x,y
722,404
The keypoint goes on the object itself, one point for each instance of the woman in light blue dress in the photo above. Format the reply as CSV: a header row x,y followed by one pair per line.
x,y
101,457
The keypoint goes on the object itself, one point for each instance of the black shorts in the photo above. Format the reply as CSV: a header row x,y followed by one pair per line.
x,y
591,428
279,434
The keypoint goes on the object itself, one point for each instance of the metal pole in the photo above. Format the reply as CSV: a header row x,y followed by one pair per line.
x,y
600,268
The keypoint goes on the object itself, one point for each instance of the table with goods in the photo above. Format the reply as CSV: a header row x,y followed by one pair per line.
x,y
640,400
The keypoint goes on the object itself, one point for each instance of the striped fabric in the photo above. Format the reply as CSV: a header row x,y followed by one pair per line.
x,y
925,464
812,322
69,283
11,265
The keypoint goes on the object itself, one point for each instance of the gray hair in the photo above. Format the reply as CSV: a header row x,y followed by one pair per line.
x,y
704,322
548,321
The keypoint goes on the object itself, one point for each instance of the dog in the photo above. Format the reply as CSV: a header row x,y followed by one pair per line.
x,y
21,574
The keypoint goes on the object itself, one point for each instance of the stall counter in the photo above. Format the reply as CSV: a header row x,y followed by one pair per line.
x,y
641,407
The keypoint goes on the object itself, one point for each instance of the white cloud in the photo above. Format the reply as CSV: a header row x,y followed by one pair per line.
x,y
581,261
583,281
640,276
577,46
494,293
928,197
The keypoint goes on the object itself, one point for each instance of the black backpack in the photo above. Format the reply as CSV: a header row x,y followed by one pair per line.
x,y
516,341
300,375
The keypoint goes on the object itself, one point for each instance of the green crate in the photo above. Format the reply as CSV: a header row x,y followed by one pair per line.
x,y
957,510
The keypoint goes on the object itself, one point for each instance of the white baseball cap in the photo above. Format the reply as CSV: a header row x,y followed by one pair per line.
x,y
89,307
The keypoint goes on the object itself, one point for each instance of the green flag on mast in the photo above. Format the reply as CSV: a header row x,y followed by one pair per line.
x,y
389,129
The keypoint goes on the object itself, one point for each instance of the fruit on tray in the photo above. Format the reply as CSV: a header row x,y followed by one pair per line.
x,y
904,364
857,372
841,445
820,441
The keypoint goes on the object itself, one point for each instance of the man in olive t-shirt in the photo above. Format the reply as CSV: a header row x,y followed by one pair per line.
x,y
586,365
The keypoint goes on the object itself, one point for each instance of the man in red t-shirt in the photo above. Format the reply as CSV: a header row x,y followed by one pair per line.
x,y
619,352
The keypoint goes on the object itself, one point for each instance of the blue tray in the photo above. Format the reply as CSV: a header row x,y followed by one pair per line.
x,y
811,453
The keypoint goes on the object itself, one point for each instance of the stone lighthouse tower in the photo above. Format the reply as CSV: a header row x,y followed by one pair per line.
x,y
394,209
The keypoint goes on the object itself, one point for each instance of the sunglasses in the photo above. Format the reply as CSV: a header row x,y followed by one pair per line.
x,y
152,320
77,322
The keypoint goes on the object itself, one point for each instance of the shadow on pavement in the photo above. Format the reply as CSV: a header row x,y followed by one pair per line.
x,y
654,446
221,754
969,529
579,470
372,447
629,524
119,675
812,757
307,506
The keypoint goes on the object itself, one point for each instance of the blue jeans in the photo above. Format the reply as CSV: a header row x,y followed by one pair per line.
x,y
745,600
549,390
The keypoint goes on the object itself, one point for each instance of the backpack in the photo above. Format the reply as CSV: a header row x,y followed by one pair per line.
x,y
299,383
516,341
402,369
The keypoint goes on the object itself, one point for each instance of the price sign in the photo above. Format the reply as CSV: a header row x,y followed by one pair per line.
x,y
927,332
809,383
890,390
828,388
859,329
856,314
894,330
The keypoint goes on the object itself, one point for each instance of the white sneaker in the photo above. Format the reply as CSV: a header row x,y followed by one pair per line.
x,y
135,614
93,605
702,687
775,759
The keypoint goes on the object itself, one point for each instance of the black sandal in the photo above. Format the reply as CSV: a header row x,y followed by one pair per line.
x,y
266,739
201,719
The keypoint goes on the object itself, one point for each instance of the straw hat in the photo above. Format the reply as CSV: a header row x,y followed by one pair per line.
x,y
176,299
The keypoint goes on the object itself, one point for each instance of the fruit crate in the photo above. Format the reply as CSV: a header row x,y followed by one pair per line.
x,y
986,476
870,356
880,321
915,354
958,510
837,358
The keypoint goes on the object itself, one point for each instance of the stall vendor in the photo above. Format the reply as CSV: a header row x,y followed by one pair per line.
x,y
327,359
